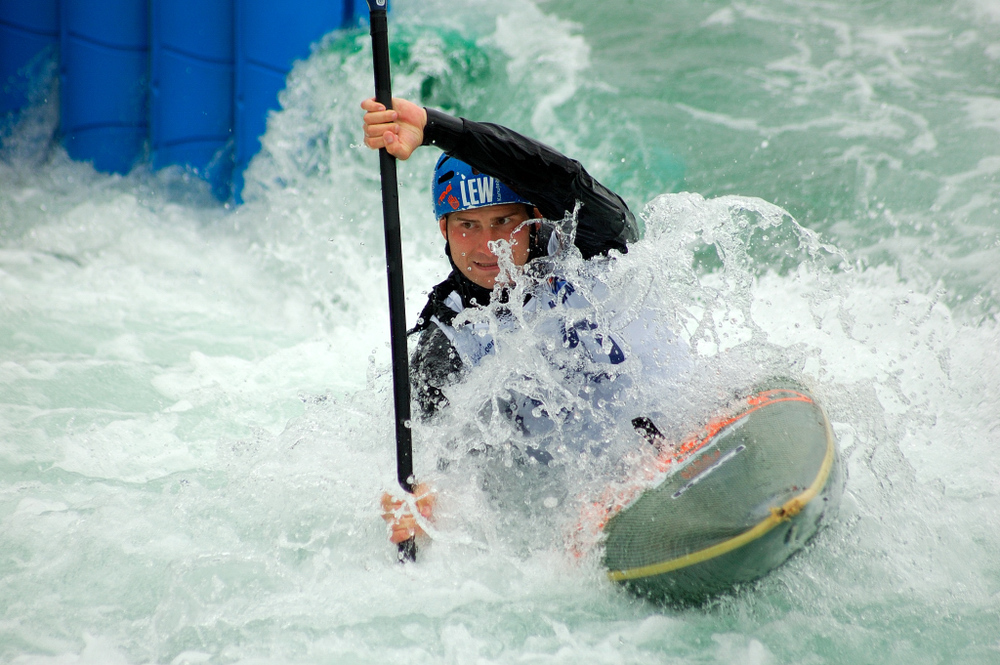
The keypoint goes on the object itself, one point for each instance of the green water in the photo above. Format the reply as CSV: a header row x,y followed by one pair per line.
x,y
873,123
194,400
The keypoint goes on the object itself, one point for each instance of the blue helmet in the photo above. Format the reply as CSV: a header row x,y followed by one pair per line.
x,y
458,186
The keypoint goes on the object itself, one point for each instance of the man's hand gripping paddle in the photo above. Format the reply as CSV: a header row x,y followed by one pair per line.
x,y
394,268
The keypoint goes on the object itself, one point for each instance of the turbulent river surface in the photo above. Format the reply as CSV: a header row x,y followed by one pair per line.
x,y
195,403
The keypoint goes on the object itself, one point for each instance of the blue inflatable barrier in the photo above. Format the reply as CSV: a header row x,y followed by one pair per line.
x,y
29,35
262,62
192,88
192,81
103,78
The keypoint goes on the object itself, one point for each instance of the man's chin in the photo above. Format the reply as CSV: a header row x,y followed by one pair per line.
x,y
485,278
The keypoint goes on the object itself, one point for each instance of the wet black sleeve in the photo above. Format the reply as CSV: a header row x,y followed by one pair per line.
x,y
433,365
544,176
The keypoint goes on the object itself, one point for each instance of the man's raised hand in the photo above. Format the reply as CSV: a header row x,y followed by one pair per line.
x,y
399,130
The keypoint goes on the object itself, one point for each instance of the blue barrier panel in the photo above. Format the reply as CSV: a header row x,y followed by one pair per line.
x,y
104,77
270,36
196,77
192,88
29,33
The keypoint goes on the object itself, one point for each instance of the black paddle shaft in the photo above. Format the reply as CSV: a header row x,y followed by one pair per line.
x,y
394,267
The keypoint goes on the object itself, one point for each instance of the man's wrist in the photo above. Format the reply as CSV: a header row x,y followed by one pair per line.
x,y
442,130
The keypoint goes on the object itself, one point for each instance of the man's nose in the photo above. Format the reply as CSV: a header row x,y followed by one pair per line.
x,y
499,233
490,236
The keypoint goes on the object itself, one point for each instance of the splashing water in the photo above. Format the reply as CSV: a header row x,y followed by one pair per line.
x,y
194,399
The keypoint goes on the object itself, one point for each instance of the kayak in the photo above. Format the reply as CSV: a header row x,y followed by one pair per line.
x,y
731,502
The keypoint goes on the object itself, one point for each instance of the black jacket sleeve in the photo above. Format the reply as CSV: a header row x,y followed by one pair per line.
x,y
434,365
550,180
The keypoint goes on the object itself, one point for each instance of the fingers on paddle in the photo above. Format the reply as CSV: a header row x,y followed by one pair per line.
x,y
402,530
426,499
379,139
371,105
390,140
380,128
402,524
380,119
401,527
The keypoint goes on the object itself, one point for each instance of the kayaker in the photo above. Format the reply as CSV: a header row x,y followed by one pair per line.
x,y
490,184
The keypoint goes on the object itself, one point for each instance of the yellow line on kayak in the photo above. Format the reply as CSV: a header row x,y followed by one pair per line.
x,y
787,510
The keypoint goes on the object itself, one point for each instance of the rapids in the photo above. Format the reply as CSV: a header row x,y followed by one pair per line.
x,y
194,397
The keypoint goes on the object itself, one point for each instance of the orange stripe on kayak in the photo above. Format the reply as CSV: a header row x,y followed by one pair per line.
x,y
779,514
615,499
754,403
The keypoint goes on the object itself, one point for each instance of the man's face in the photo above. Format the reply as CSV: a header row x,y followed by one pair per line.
x,y
468,232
